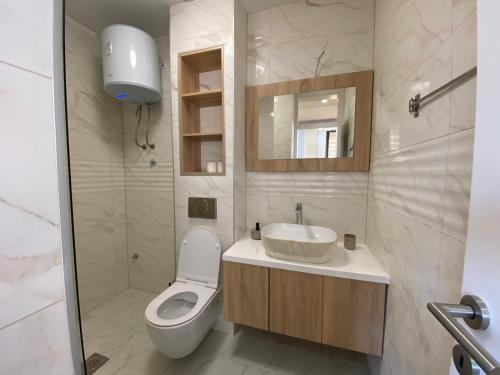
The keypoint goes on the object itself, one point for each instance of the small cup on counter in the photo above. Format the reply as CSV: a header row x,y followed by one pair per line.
x,y
350,241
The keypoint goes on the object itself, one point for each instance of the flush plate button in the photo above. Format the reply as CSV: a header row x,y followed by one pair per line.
x,y
202,208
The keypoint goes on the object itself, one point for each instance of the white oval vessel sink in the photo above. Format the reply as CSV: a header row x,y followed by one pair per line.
x,y
301,243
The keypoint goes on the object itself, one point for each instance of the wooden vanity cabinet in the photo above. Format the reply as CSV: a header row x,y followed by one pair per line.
x,y
295,304
339,312
353,314
246,294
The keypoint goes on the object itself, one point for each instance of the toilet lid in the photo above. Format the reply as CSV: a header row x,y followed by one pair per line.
x,y
199,257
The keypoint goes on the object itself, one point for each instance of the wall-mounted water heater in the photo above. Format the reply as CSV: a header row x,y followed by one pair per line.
x,y
131,65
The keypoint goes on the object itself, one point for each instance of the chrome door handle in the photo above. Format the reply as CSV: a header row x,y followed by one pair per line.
x,y
475,313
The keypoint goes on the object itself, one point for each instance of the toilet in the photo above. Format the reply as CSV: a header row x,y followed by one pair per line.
x,y
180,317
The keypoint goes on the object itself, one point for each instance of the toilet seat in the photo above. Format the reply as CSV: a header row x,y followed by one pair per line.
x,y
203,294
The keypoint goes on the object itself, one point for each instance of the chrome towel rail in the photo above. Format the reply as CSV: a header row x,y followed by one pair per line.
x,y
418,102
475,313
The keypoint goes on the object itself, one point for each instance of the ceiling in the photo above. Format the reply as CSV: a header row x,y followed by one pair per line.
x,y
149,15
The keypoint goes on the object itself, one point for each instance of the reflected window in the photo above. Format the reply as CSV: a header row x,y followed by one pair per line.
x,y
308,125
316,143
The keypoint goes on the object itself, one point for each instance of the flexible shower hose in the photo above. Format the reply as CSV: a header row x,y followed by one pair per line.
x,y
138,114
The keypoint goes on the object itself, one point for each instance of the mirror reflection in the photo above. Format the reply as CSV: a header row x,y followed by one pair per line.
x,y
308,125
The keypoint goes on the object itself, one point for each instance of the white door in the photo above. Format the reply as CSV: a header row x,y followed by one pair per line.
x,y
482,259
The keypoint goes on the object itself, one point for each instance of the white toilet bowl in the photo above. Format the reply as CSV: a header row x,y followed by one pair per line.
x,y
181,316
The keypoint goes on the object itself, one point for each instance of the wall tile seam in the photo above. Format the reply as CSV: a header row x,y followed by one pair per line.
x,y
269,10
123,130
99,181
311,196
373,58
197,37
92,190
450,109
453,55
155,189
449,38
380,197
140,180
106,231
446,185
330,178
293,41
441,257
268,36
366,203
176,47
36,312
84,162
466,18
415,219
329,186
408,147
402,18
91,33
185,195
26,70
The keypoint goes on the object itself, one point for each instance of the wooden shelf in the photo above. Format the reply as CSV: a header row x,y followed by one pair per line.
x,y
204,60
197,71
205,98
211,136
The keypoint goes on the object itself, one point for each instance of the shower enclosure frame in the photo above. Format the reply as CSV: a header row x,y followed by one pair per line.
x,y
64,189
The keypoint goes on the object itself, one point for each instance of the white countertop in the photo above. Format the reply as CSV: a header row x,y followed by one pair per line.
x,y
359,264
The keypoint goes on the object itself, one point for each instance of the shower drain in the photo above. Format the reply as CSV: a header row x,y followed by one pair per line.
x,y
95,362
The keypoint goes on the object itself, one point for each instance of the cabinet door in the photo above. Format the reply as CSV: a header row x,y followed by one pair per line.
x,y
246,295
295,304
353,314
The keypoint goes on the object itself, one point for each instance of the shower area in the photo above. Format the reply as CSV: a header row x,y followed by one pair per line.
x,y
123,199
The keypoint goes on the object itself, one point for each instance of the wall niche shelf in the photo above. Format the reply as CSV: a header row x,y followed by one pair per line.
x,y
201,102
207,98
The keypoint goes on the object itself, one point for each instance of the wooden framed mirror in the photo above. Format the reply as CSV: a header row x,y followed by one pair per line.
x,y
310,125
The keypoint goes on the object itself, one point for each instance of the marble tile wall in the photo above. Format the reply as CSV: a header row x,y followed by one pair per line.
x,y
216,21
33,322
336,200
122,204
150,191
283,44
419,182
285,41
97,174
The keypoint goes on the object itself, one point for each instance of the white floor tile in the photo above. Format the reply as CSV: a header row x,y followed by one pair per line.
x,y
117,330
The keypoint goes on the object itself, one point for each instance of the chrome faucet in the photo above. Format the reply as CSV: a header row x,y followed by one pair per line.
x,y
298,213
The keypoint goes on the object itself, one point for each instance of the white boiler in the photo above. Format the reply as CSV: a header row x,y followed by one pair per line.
x,y
131,65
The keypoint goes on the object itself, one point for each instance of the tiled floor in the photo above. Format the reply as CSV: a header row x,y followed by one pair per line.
x,y
117,330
